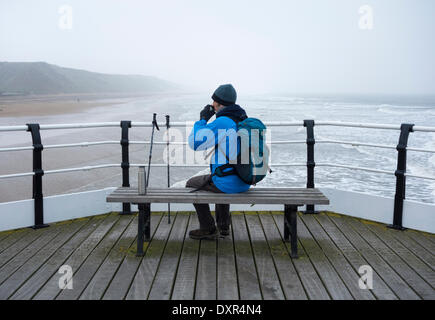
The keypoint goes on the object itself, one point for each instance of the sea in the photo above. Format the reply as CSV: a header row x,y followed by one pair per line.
x,y
185,107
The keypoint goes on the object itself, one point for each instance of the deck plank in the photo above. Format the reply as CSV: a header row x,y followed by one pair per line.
x,y
4,234
165,274
422,288
101,279
422,253
290,282
333,282
313,285
86,271
90,265
10,237
249,288
27,269
269,280
374,259
426,241
422,269
18,246
124,276
184,286
51,266
206,285
344,269
51,289
227,288
28,252
380,288
144,276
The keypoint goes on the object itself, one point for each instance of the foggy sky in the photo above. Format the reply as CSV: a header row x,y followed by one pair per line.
x,y
304,46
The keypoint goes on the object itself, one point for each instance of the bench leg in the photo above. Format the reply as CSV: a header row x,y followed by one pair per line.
x,y
147,227
126,209
286,222
290,228
140,230
143,227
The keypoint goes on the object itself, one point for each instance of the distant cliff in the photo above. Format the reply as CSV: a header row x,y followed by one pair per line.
x,y
43,78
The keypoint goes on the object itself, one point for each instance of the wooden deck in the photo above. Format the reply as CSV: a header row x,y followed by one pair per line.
x,y
252,263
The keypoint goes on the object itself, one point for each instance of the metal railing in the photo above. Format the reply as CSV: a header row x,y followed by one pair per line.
x,y
38,172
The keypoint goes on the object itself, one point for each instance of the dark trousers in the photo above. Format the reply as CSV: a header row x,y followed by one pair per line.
x,y
206,221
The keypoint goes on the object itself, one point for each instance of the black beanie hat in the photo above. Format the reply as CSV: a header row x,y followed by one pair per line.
x,y
225,95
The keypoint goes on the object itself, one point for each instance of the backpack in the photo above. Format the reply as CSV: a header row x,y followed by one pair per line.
x,y
253,159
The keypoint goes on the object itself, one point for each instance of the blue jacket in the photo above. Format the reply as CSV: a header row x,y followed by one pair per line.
x,y
223,130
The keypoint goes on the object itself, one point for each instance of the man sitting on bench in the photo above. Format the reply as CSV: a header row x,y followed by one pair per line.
x,y
204,136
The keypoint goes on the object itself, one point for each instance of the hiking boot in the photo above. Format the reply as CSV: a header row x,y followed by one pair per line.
x,y
200,234
224,231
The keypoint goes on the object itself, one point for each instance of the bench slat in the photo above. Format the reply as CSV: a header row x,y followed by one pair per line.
x,y
292,201
186,191
216,198
298,202
174,195
292,196
275,190
163,192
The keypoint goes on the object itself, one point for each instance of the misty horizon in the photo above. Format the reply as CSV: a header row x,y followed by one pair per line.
x,y
308,47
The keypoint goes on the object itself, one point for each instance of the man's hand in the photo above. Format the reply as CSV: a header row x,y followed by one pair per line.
x,y
207,112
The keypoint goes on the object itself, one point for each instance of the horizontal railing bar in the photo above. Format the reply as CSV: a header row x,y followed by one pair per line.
x,y
16,149
13,128
80,144
116,165
420,177
158,142
179,124
117,124
172,165
371,125
79,125
91,125
423,129
86,168
286,142
358,125
207,165
284,123
17,175
190,123
420,150
186,143
86,144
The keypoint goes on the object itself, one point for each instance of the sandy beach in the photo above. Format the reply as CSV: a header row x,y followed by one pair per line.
x,y
44,105
19,109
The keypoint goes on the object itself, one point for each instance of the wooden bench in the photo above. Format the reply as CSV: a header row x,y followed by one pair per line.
x,y
291,198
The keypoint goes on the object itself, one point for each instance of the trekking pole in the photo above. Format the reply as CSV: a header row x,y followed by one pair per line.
x,y
169,177
155,125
